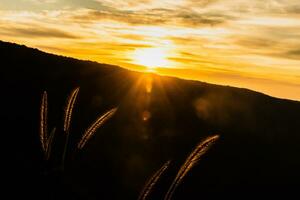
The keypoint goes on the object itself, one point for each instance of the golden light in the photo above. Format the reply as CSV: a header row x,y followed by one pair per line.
x,y
151,57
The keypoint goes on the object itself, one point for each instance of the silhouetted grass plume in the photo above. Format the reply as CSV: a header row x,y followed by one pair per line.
x,y
67,121
93,128
152,181
43,121
47,141
190,162
69,109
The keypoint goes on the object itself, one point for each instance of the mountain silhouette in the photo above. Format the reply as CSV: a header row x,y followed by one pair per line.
x,y
158,119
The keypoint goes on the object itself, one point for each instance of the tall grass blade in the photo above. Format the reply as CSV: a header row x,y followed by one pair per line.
x,y
93,128
152,181
49,144
192,159
43,121
69,109
67,121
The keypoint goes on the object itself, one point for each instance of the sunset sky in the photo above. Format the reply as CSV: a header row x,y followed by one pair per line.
x,y
253,44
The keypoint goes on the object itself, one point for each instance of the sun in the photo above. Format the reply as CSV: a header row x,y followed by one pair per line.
x,y
151,57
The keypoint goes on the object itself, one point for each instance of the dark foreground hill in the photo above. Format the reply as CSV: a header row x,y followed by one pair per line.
x,y
159,119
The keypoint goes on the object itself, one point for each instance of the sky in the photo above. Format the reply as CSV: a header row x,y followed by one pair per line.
x,y
250,44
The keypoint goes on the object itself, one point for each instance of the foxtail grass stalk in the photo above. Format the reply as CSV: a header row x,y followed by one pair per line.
x,y
43,121
49,143
69,109
67,121
152,181
93,128
190,162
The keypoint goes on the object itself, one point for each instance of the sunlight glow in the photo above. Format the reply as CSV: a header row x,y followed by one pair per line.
x,y
151,57
251,44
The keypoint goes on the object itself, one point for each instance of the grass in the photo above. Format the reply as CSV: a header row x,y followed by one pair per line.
x,y
47,143
43,121
152,181
193,158
47,139
69,110
93,127
190,162
67,121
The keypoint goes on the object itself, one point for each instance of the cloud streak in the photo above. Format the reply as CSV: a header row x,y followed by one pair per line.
x,y
38,32
157,17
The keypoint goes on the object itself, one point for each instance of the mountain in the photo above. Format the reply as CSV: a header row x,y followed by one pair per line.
x,y
158,119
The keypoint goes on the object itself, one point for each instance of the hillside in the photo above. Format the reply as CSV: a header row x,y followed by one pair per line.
x,y
259,146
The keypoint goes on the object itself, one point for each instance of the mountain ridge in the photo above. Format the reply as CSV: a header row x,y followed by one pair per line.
x,y
10,44
258,146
